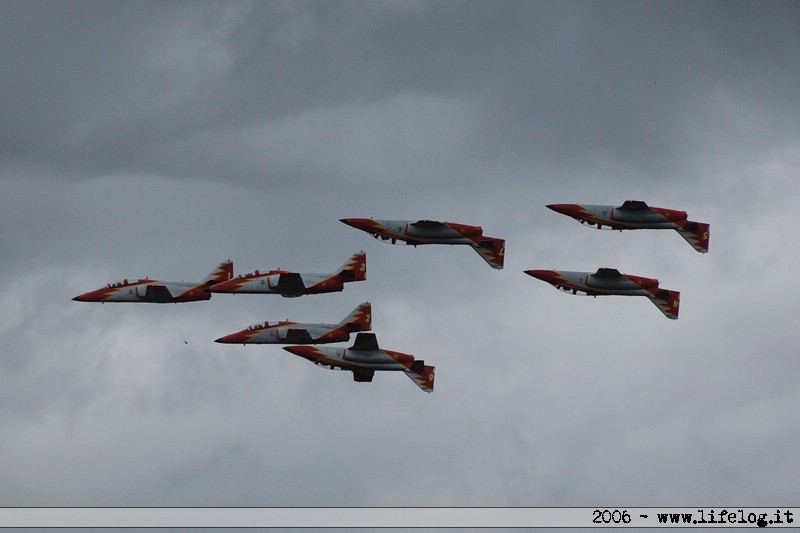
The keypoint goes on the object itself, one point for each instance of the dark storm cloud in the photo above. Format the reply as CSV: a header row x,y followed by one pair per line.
x,y
105,88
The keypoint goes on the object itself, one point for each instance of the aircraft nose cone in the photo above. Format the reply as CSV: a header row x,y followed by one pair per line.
x,y
297,350
309,352
564,209
240,337
91,296
358,223
544,275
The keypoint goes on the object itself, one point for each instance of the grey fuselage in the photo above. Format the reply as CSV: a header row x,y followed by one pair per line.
x,y
608,285
638,219
422,234
367,359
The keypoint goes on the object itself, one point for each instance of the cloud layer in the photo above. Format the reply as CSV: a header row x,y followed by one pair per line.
x,y
161,138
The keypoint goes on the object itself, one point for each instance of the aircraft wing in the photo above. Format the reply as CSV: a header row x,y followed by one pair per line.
x,y
362,374
290,283
428,224
365,342
608,273
634,205
157,293
298,336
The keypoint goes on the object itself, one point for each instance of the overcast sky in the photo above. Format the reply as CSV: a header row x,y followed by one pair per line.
x,y
160,138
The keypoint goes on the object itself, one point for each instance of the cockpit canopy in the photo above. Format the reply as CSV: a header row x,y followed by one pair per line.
x,y
118,284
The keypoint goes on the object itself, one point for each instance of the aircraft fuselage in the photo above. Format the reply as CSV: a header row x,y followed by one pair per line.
x,y
269,283
616,218
418,232
281,333
607,281
596,284
491,249
147,290
347,358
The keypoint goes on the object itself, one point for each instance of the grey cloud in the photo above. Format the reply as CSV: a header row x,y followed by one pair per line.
x,y
159,139
121,89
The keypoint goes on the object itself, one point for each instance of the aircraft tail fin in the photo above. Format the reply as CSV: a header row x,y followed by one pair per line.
x,y
696,234
360,319
223,272
493,251
355,268
668,302
422,374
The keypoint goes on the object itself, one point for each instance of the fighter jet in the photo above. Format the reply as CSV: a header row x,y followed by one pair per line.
x,y
364,358
610,281
635,214
160,292
292,284
287,332
434,232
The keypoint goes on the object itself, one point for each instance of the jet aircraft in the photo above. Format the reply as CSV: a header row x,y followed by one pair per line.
x,y
293,284
635,214
610,281
491,249
160,292
287,332
365,357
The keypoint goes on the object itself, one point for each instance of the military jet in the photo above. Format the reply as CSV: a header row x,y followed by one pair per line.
x,y
364,358
635,214
287,332
434,232
160,292
610,281
292,284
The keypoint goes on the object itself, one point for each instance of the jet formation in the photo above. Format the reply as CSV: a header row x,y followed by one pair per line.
x,y
365,357
491,249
